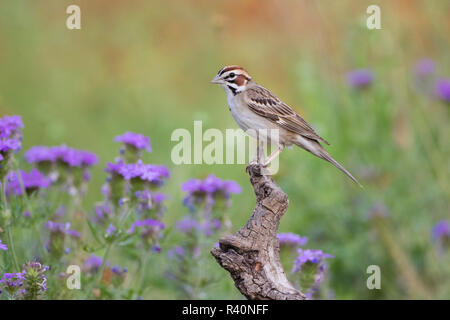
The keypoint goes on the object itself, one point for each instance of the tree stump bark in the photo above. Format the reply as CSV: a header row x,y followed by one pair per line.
x,y
252,254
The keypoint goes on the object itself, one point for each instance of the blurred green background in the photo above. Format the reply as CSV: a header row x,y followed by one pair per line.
x,y
145,66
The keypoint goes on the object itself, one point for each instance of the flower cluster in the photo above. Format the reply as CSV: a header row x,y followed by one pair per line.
x,y
3,246
188,225
312,265
132,146
10,126
62,154
150,173
29,284
133,208
309,256
63,228
148,200
34,281
30,181
102,213
443,89
58,232
424,67
150,232
93,264
65,166
209,190
206,217
135,140
115,275
118,275
118,271
134,181
360,78
291,239
441,232
10,141
12,282
202,196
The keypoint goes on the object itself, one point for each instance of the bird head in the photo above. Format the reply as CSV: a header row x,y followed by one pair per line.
x,y
233,79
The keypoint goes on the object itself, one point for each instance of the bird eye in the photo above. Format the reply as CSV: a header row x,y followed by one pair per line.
x,y
232,75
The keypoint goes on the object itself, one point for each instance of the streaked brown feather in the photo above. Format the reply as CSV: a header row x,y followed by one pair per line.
x,y
264,103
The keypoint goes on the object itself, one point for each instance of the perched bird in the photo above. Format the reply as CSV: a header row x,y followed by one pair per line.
x,y
254,107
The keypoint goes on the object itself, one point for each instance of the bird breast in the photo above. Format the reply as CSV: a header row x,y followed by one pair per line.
x,y
247,119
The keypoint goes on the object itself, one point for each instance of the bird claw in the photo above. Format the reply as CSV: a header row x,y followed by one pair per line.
x,y
252,163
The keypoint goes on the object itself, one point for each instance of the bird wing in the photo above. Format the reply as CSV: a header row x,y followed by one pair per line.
x,y
262,102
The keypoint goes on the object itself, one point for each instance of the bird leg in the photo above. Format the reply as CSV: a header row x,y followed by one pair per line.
x,y
273,156
260,151
259,156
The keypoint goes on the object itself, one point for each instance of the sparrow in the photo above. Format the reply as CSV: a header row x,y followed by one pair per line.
x,y
256,109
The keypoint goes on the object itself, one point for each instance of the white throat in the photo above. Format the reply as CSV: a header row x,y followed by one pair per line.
x,y
232,90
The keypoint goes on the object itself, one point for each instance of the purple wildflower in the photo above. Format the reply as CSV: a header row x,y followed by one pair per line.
x,y
3,246
146,172
71,157
61,211
63,228
360,78
147,225
211,184
209,226
117,270
12,282
159,197
77,158
442,89
74,233
441,230
114,167
57,227
39,154
424,67
210,188
156,248
9,144
176,252
9,125
102,213
187,225
291,239
311,256
31,181
93,263
147,199
35,281
111,230
136,140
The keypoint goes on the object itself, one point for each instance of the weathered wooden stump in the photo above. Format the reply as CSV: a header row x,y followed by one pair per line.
x,y
252,254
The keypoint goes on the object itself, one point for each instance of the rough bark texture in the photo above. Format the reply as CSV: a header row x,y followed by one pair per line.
x,y
252,255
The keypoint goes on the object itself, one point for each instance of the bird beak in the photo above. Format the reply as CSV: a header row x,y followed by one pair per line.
x,y
216,80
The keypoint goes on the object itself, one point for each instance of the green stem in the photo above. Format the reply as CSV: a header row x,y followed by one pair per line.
x,y
8,228
102,267
12,249
108,249
142,276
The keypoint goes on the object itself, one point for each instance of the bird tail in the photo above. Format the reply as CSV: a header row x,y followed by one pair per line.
x,y
325,155
315,148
